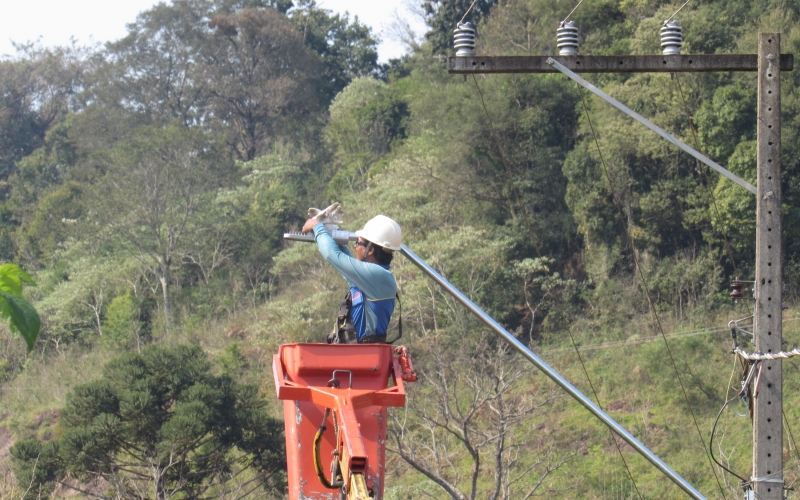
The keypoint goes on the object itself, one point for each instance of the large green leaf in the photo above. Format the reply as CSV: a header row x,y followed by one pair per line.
x,y
21,316
11,278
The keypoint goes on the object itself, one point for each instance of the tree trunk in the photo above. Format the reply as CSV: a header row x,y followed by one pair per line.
x,y
164,280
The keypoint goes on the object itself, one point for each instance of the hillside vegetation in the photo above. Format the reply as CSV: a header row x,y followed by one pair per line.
x,y
145,186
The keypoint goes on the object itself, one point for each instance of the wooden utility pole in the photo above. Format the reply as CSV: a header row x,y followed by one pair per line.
x,y
767,479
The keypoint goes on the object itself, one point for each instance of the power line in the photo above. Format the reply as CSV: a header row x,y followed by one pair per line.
x,y
539,253
468,11
791,436
646,287
571,12
639,341
646,340
676,12
705,174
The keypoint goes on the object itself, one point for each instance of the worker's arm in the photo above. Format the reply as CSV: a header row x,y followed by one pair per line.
x,y
372,279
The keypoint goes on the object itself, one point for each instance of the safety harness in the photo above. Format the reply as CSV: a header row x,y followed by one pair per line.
x,y
344,331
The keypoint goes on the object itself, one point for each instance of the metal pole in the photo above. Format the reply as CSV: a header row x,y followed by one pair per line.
x,y
554,376
655,128
767,480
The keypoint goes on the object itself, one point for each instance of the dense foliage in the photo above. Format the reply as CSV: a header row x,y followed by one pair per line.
x,y
146,184
157,425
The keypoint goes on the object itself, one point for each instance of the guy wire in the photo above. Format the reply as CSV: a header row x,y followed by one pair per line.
x,y
539,253
647,288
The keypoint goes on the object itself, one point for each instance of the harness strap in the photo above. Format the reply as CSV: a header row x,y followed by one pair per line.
x,y
344,331
399,322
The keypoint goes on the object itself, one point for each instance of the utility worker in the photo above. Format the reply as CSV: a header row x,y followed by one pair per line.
x,y
365,313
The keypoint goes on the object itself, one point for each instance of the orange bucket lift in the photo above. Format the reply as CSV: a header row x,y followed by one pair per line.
x,y
334,405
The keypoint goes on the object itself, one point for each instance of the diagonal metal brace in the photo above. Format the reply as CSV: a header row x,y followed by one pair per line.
x,y
655,128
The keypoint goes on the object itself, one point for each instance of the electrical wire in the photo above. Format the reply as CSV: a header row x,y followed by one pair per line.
x,y
632,342
711,441
791,436
703,170
509,173
468,11
780,472
571,12
333,484
730,381
737,351
646,286
520,203
676,12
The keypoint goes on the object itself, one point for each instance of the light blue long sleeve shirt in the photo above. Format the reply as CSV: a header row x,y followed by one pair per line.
x,y
371,284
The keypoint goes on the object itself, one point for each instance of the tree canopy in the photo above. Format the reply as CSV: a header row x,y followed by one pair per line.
x,y
160,425
145,186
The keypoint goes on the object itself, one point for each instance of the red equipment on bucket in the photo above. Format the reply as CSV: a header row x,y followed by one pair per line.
x,y
351,383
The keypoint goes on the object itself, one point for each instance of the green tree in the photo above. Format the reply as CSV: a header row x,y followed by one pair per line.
x,y
154,72
154,193
122,327
160,425
36,90
347,48
236,67
365,119
44,200
727,119
257,213
74,308
443,15
262,79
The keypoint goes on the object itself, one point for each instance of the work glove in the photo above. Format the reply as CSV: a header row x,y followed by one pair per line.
x,y
331,216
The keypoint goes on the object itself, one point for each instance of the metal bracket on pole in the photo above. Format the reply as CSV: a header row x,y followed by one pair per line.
x,y
655,128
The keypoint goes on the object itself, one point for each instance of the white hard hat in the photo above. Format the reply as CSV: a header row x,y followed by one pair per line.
x,y
382,231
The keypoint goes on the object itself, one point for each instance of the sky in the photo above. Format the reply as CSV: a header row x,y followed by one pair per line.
x,y
53,22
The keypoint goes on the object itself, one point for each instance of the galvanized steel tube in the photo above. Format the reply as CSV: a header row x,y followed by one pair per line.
x,y
554,376
647,123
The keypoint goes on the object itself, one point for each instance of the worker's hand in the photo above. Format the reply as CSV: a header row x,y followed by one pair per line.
x,y
309,225
330,216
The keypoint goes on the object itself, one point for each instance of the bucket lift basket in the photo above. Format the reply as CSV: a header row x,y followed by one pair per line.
x,y
353,382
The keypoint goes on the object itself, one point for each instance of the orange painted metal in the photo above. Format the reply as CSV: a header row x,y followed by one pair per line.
x,y
359,375
404,358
